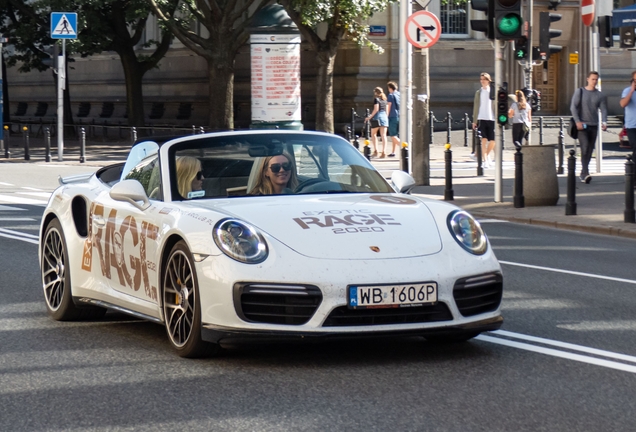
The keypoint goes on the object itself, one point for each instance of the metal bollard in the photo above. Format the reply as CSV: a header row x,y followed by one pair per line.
x,y
518,199
367,150
448,163
480,169
7,133
570,205
27,155
561,146
541,130
47,138
201,130
133,134
466,126
629,215
194,130
431,124
82,158
367,126
348,133
353,123
405,157
474,137
449,127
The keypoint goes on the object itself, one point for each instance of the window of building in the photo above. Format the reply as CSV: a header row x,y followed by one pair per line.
x,y
454,17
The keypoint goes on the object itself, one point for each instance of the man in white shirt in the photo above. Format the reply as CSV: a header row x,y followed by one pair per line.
x,y
484,117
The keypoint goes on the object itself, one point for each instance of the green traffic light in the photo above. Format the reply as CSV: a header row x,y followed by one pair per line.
x,y
509,24
520,53
503,118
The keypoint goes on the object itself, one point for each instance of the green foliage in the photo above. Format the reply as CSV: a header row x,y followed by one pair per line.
x,y
347,15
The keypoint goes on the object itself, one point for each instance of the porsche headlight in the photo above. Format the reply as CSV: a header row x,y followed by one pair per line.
x,y
467,231
240,241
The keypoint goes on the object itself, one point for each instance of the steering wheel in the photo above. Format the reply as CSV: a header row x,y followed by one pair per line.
x,y
302,185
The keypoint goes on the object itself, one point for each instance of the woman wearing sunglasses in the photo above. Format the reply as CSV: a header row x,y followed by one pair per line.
x,y
189,177
277,176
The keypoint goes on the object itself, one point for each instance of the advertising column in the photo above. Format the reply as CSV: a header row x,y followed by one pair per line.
x,y
275,66
275,60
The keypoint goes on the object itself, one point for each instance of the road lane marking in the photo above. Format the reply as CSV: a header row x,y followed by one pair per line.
x,y
556,353
566,345
31,188
6,184
9,208
15,219
17,235
46,195
590,275
8,199
620,325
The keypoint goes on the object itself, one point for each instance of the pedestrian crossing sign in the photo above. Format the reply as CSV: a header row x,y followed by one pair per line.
x,y
63,25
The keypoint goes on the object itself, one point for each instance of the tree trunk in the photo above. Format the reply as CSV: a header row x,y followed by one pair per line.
x,y
324,91
6,114
221,91
134,90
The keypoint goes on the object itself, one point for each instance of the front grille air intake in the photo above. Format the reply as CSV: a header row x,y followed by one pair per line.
x,y
276,303
343,316
478,294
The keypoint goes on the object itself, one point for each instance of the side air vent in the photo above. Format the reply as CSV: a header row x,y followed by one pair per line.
x,y
478,294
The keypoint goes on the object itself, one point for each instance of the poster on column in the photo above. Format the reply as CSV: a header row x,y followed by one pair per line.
x,y
275,77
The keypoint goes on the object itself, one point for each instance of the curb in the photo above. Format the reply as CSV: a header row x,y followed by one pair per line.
x,y
604,230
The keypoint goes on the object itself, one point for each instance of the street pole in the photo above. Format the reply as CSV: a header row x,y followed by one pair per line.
x,y
499,130
597,67
529,65
1,98
406,77
419,159
61,84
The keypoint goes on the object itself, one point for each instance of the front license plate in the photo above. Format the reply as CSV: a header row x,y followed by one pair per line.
x,y
385,296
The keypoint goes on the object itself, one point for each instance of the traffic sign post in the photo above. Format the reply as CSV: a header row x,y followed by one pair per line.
x,y
422,29
63,26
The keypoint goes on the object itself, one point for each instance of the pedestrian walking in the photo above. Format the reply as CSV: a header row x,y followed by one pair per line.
x,y
379,122
628,101
394,116
520,113
484,118
584,107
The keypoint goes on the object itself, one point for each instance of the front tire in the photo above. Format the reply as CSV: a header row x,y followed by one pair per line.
x,y
56,278
181,305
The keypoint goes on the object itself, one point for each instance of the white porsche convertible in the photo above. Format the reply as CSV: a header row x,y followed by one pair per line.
x,y
260,234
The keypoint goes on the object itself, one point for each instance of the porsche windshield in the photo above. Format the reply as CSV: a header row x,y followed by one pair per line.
x,y
255,164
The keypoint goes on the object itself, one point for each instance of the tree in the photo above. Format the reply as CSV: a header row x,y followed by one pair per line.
x,y
104,25
344,19
227,25
118,25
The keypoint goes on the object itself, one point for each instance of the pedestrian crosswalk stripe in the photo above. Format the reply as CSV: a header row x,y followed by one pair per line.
x,y
9,208
12,199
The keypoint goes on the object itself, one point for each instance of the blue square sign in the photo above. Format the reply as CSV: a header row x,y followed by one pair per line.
x,y
63,25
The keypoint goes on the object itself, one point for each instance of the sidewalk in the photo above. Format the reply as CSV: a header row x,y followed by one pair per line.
x,y
600,204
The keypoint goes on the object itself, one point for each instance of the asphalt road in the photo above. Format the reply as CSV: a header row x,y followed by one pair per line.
x,y
564,360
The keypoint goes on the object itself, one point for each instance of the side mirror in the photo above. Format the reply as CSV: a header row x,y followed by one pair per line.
x,y
130,191
402,182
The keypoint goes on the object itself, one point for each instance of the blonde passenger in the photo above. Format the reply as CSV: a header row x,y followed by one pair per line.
x,y
189,175
277,176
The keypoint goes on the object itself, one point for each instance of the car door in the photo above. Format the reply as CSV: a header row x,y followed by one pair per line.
x,y
125,237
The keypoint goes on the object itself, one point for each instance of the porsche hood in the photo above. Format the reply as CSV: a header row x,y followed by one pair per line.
x,y
370,226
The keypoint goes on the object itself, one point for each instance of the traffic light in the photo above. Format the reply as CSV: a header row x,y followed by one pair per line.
x,y
521,48
627,37
546,33
605,32
484,26
533,97
502,104
508,22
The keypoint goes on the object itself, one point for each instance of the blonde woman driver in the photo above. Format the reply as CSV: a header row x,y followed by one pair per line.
x,y
277,176
189,177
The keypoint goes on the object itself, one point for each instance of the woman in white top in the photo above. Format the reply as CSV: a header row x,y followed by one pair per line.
x,y
520,112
